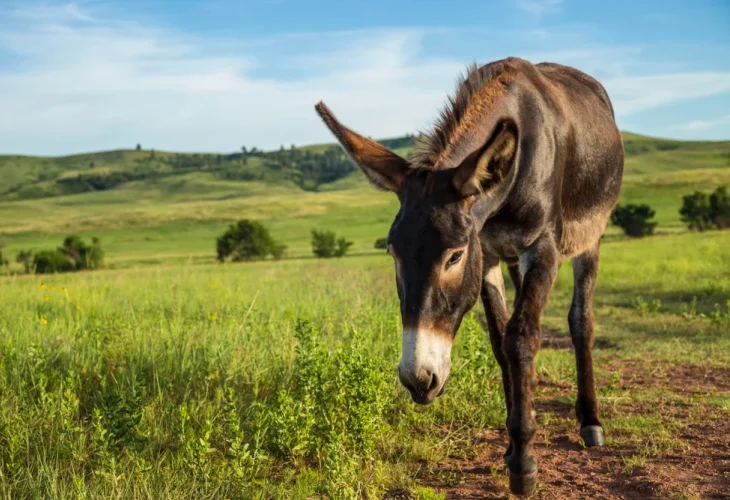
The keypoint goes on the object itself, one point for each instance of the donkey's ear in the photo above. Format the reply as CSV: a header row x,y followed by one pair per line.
x,y
486,167
385,169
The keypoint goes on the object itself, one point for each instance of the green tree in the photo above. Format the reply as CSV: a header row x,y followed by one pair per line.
x,y
343,246
325,244
25,257
52,261
635,220
695,211
82,255
720,208
139,147
247,240
381,243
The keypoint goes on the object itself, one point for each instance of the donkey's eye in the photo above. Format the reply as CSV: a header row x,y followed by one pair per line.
x,y
455,258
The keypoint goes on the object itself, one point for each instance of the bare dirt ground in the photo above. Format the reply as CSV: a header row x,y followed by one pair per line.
x,y
691,459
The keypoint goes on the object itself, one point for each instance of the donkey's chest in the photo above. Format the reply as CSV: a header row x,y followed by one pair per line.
x,y
507,240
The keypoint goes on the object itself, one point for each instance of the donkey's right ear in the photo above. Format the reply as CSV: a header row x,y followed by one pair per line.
x,y
385,169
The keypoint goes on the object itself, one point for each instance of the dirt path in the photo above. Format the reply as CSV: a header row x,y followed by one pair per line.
x,y
688,458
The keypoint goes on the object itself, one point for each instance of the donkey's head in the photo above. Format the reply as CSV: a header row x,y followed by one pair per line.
x,y
434,243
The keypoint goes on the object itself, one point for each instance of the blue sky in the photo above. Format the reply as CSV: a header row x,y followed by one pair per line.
x,y
213,75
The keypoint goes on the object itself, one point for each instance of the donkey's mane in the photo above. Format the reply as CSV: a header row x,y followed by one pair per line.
x,y
476,92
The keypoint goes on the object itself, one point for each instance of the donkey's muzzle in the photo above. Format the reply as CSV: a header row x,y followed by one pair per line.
x,y
423,389
425,364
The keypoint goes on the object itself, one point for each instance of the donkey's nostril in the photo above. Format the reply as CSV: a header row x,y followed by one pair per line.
x,y
433,384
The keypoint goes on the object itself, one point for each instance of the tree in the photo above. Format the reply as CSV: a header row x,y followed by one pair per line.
x,y
81,255
343,246
634,220
325,244
381,243
720,208
695,211
247,240
139,147
4,262
25,257
52,261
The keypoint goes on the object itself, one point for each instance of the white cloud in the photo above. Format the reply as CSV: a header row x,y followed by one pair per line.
x,y
538,7
702,125
77,82
631,94
102,85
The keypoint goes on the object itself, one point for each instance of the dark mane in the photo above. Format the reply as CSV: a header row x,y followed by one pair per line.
x,y
476,91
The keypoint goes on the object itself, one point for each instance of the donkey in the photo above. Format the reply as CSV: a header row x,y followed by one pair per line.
x,y
523,166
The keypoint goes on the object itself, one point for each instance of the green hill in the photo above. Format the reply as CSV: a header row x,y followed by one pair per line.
x,y
152,206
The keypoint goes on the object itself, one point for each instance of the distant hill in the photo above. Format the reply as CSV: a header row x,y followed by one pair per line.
x,y
153,206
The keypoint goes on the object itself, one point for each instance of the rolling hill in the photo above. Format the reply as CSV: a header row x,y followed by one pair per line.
x,y
151,206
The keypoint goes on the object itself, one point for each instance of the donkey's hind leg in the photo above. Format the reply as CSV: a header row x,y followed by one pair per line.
x,y
580,320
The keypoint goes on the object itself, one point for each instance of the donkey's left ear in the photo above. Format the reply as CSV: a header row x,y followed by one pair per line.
x,y
385,169
486,167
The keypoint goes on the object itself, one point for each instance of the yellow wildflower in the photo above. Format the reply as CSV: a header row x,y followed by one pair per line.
x,y
45,298
42,286
78,307
212,316
215,284
44,321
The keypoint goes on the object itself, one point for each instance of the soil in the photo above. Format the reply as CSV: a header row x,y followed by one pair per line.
x,y
698,467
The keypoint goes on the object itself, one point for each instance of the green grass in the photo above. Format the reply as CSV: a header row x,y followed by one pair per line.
x,y
202,380
177,218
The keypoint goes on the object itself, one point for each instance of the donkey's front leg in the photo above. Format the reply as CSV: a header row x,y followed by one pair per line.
x,y
521,343
495,309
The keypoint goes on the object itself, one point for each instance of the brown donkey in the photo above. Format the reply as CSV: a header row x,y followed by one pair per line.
x,y
523,166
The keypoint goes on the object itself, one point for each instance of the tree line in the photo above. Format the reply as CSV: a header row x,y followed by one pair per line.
x,y
700,211
248,240
74,254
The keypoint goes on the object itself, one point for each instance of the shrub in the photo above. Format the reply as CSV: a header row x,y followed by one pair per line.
x,y
81,255
74,255
4,262
695,211
52,261
720,208
247,240
25,257
381,243
634,220
325,244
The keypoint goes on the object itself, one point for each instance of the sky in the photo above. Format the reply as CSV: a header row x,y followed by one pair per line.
x,y
215,75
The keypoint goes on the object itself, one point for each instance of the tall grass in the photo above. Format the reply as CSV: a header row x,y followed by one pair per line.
x,y
279,379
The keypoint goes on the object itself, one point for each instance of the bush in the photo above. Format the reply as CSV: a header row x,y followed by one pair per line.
x,y
81,255
25,257
247,240
52,261
73,255
720,208
695,211
381,243
325,244
634,220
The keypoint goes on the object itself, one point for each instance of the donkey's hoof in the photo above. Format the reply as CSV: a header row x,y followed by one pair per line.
x,y
522,484
592,435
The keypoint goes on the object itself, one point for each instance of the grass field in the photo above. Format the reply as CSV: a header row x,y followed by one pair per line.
x,y
278,380
176,219
169,376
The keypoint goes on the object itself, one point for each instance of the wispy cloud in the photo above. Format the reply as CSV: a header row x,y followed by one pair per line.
x,y
79,81
701,125
539,7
